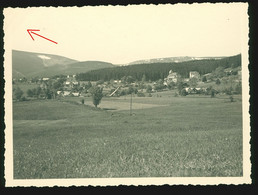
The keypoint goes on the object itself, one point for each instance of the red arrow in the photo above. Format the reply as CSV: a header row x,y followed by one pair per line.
x,y
31,31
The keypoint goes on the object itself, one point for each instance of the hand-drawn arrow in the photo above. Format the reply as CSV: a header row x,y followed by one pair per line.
x,y
31,31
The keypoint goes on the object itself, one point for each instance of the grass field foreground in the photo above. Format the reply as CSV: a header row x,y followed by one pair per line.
x,y
187,137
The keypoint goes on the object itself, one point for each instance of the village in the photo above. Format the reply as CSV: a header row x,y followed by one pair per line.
x,y
224,81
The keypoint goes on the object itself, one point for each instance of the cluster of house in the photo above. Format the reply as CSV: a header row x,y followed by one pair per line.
x,y
69,85
229,71
175,77
68,93
194,90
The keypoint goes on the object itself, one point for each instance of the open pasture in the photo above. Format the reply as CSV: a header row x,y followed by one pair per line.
x,y
179,136
158,99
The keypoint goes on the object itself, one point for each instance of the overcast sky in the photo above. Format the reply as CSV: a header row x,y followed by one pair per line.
x,y
122,34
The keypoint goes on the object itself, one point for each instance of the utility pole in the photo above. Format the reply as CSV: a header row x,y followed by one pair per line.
x,y
131,102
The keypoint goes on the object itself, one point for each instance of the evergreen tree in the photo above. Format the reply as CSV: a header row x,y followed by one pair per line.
x,y
30,93
144,78
204,79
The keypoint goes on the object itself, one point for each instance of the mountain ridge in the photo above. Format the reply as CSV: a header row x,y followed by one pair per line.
x,y
177,59
33,64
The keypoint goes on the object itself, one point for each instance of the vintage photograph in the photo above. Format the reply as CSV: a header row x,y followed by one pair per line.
x,y
109,95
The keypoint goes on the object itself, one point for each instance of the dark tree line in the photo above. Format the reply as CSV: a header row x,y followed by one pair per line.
x,y
156,71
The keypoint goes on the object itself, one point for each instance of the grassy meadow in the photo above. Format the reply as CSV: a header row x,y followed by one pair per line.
x,y
166,136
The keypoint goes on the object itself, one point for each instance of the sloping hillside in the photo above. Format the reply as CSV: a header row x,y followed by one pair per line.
x,y
29,64
86,66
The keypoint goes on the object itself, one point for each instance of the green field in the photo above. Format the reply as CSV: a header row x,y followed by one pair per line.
x,y
166,136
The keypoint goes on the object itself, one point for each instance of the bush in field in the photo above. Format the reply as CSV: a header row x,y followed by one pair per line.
x,y
183,92
82,101
18,93
212,93
231,98
97,94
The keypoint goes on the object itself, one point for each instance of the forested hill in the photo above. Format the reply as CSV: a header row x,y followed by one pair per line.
x,y
31,64
155,71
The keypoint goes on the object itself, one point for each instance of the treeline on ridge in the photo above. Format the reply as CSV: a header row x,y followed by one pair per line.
x,y
156,71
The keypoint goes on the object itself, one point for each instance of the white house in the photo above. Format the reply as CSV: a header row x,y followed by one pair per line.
x,y
76,94
194,74
66,93
117,81
172,77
